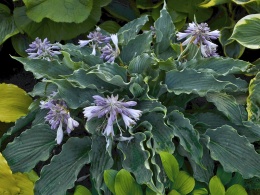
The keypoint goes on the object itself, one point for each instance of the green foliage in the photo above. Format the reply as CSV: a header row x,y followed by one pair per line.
x,y
193,107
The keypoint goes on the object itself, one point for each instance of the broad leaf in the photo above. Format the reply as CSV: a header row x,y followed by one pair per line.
x,y
14,102
162,134
109,179
170,165
253,99
164,30
81,190
184,183
32,146
136,47
246,31
210,3
228,106
236,190
100,161
189,137
44,69
63,169
136,158
233,151
126,185
58,10
8,27
191,81
216,187
130,30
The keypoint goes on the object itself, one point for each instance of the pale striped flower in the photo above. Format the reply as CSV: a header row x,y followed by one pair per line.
x,y
111,108
58,117
39,49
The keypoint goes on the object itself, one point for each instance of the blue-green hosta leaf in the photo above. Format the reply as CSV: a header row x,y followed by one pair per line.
x,y
190,81
58,10
253,99
131,29
100,161
140,64
136,158
162,134
8,27
246,31
109,179
19,125
69,62
170,165
63,169
81,54
43,89
135,47
228,106
202,174
156,185
73,96
233,151
148,106
126,185
216,187
164,30
221,66
32,146
189,137
111,73
213,120
80,78
43,68
210,3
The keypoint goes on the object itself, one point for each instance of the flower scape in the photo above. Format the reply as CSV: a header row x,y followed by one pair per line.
x,y
141,111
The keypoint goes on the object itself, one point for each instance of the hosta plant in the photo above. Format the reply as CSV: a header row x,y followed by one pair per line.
x,y
117,102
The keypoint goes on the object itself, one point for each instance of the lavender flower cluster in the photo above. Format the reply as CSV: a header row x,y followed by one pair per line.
x,y
39,49
102,42
200,35
58,117
110,107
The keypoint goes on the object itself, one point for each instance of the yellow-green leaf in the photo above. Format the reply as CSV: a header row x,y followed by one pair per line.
x,y
216,187
184,183
170,165
174,192
14,102
236,190
17,183
81,190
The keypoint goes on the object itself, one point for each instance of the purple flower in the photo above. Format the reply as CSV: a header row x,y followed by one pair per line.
x,y
58,117
109,53
201,35
39,49
111,107
95,38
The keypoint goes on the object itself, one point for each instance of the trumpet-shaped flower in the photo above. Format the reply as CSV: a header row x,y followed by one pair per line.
x,y
110,108
58,117
109,53
96,38
39,49
201,35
